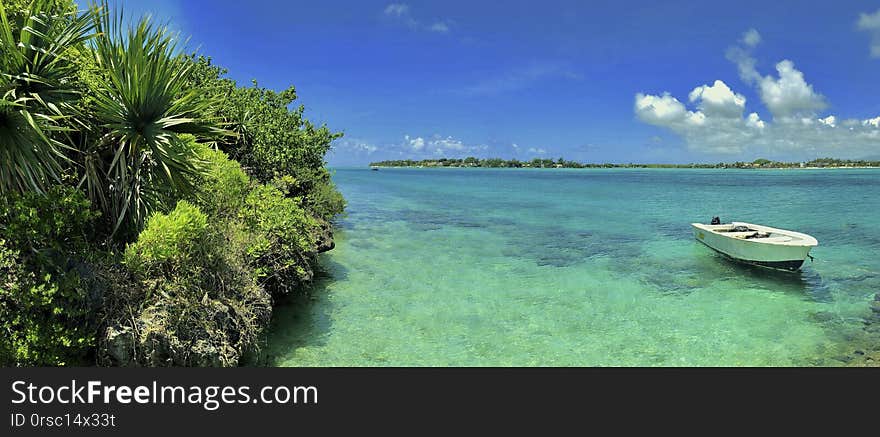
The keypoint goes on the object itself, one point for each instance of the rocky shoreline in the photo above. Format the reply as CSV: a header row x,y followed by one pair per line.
x,y
146,340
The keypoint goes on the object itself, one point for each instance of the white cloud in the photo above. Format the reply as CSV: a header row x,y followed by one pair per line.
x,y
751,38
416,144
745,63
754,121
354,146
871,23
437,145
401,13
718,99
742,56
829,121
666,110
716,123
789,95
721,134
537,150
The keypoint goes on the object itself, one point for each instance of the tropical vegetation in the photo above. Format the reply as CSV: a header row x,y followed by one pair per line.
x,y
151,209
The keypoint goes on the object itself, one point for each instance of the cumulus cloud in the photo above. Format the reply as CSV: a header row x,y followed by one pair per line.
x,y
786,95
715,122
416,144
401,13
871,23
789,95
537,151
718,100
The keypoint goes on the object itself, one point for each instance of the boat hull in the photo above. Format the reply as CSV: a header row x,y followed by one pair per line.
x,y
774,256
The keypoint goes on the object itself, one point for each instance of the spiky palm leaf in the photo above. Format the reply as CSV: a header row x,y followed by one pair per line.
x,y
142,107
35,92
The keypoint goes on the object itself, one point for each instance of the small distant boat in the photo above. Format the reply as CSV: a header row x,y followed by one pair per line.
x,y
374,168
756,244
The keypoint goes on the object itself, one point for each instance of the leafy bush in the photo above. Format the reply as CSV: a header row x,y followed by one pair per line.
x,y
199,304
283,249
48,291
171,243
315,189
272,140
224,185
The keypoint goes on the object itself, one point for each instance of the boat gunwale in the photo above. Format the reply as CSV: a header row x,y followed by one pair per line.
x,y
803,240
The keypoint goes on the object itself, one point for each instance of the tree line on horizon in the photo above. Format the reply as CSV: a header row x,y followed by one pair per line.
x,y
563,163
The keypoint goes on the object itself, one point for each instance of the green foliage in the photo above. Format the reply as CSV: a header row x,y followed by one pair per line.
x,y
272,140
35,92
47,286
224,185
58,221
283,250
201,305
317,192
142,105
170,243
99,115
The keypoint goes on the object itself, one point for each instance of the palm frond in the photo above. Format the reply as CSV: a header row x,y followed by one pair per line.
x,y
35,87
142,107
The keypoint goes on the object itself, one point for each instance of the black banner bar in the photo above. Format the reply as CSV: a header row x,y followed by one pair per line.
x,y
114,401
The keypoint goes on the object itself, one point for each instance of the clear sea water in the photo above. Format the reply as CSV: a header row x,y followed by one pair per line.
x,y
499,267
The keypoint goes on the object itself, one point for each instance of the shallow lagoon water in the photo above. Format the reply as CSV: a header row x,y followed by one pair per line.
x,y
583,267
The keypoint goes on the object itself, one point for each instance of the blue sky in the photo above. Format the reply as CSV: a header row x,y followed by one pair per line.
x,y
598,81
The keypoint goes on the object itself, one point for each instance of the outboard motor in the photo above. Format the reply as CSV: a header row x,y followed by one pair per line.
x,y
715,221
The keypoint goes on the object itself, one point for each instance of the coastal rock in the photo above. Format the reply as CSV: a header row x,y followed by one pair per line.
x,y
119,345
213,335
324,238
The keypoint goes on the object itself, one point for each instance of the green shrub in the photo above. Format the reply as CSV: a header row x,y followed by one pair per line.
x,y
316,191
48,291
170,243
224,184
283,249
196,302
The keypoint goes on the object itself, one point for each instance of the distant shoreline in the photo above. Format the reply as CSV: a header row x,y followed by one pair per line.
x,y
635,167
471,162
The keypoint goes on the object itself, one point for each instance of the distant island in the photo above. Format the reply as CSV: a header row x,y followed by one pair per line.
x,y
562,163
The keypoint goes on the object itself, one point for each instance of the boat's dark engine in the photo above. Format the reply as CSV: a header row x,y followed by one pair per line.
x,y
715,221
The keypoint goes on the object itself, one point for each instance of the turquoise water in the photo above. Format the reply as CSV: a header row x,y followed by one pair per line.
x,y
484,267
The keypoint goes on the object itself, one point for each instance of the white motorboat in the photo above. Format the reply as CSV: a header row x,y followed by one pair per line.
x,y
756,244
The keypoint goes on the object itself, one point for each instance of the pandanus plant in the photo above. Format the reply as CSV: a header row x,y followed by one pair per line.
x,y
142,106
35,92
